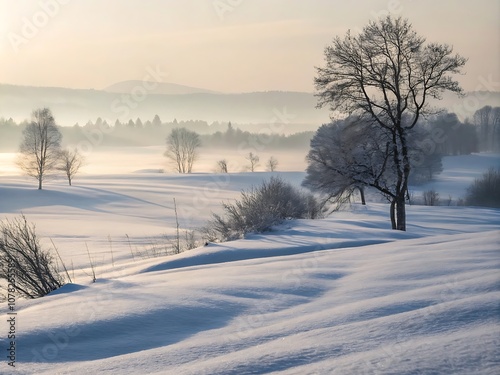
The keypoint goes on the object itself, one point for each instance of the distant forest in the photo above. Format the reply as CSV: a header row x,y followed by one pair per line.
x,y
154,132
446,134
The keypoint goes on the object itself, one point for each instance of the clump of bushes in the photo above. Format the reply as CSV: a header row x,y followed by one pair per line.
x,y
23,262
261,208
485,191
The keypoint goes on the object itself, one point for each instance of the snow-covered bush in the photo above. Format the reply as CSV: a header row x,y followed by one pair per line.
x,y
259,209
28,269
485,191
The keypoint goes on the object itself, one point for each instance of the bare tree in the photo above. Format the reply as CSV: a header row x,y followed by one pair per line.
x,y
346,156
70,163
253,159
222,166
386,75
271,164
41,145
182,146
431,197
20,250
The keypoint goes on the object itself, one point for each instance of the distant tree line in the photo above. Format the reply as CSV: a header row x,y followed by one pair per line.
x,y
150,133
450,136
487,122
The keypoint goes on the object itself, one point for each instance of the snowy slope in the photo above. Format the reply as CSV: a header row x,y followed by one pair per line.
x,y
343,295
423,305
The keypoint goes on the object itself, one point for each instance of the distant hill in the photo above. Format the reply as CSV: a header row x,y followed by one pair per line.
x,y
117,102
71,105
164,88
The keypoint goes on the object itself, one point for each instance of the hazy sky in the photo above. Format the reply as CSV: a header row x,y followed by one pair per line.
x,y
223,45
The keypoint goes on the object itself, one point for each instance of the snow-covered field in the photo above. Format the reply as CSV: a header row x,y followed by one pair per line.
x,y
343,295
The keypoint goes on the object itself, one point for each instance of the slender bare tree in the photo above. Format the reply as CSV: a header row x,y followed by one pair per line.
x,y
386,75
41,145
182,149
254,161
70,163
271,164
222,166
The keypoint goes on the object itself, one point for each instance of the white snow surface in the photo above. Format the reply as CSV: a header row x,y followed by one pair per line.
x,y
341,295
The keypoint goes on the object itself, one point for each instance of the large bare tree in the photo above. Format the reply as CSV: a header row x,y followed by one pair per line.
x,y
41,145
386,76
182,149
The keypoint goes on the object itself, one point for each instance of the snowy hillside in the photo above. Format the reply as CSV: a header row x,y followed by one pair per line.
x,y
343,295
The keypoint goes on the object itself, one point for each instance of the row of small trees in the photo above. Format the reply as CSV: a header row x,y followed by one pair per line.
x,y
182,152
253,160
41,153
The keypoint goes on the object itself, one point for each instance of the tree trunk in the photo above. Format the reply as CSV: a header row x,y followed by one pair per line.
x,y
402,187
400,213
69,180
362,194
39,183
393,213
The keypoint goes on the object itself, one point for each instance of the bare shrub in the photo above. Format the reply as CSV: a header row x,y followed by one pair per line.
x,y
180,243
190,240
259,209
169,245
158,247
35,272
222,166
485,191
431,198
